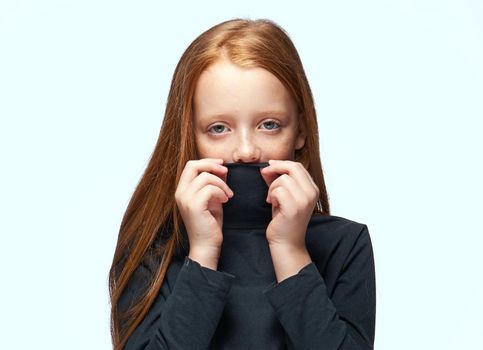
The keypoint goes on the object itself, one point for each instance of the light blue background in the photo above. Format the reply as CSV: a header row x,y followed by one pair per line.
x,y
398,87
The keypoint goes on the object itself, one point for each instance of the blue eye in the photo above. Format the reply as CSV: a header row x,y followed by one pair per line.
x,y
271,125
218,129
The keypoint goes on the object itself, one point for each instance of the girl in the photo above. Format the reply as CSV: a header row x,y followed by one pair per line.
x,y
228,241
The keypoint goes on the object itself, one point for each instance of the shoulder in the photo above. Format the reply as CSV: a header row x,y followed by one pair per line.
x,y
335,237
335,227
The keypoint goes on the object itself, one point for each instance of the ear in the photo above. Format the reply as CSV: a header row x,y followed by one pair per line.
x,y
300,141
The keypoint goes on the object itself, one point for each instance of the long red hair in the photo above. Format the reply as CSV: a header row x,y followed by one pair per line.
x,y
247,43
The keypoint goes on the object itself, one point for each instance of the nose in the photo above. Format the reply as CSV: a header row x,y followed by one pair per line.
x,y
246,151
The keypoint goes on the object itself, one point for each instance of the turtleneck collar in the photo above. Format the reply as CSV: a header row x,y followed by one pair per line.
x,y
248,207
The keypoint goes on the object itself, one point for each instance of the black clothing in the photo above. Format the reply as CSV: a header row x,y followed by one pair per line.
x,y
329,304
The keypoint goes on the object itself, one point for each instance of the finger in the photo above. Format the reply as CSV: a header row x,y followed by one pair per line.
x,y
222,163
283,199
208,193
204,179
268,177
194,167
295,170
301,199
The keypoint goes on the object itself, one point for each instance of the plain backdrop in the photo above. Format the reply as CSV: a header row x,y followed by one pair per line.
x,y
398,87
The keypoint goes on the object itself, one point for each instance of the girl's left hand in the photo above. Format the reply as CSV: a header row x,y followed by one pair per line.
x,y
293,196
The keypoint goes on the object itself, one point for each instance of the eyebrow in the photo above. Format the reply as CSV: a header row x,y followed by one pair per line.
x,y
275,113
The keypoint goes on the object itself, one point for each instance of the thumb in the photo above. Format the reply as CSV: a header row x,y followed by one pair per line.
x,y
269,178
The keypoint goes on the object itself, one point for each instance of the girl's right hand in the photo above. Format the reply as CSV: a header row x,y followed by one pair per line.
x,y
199,195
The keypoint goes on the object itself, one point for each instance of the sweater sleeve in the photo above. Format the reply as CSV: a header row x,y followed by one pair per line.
x,y
345,320
184,316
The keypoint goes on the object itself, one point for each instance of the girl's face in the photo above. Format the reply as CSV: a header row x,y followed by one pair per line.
x,y
244,115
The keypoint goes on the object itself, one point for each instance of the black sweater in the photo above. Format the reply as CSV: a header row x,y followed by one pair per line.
x,y
329,304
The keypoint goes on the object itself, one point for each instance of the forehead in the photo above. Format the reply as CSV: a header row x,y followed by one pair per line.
x,y
224,88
